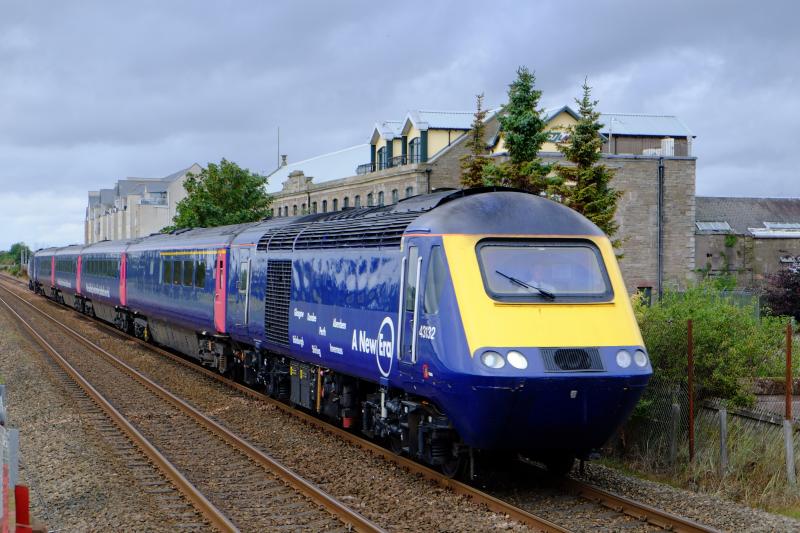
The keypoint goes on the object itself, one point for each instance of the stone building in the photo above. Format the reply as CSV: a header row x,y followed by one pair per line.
x,y
652,156
135,207
747,238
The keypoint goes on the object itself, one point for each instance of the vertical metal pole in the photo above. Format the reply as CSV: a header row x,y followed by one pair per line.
x,y
690,355
789,371
723,441
788,431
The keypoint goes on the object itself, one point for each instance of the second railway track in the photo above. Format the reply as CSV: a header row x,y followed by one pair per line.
x,y
651,519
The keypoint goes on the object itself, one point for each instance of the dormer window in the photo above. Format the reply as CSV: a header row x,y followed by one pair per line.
x,y
414,150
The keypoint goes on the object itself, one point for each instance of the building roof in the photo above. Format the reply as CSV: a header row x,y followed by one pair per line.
x,y
760,217
388,129
325,167
639,124
442,120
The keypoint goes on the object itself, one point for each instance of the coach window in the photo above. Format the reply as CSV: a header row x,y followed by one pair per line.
x,y
411,278
188,272
166,268
177,272
434,281
200,275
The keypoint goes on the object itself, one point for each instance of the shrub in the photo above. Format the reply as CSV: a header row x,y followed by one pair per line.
x,y
730,343
782,293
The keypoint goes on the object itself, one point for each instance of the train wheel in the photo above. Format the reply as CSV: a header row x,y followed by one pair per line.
x,y
454,467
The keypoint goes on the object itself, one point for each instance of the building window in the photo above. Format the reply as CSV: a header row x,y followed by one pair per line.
x,y
380,199
314,207
414,146
346,203
294,210
324,206
409,192
303,208
369,200
395,196
358,201
382,158
335,204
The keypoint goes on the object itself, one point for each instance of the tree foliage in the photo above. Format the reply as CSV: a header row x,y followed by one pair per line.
x,y
585,183
13,255
473,165
524,133
731,344
222,194
782,293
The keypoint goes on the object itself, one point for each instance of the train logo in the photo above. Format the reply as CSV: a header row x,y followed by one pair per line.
x,y
381,346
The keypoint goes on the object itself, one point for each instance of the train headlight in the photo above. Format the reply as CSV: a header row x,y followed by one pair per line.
x,y
517,360
623,358
640,358
493,359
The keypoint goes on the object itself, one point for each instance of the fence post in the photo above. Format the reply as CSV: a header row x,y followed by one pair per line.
x,y
690,357
673,437
723,441
788,433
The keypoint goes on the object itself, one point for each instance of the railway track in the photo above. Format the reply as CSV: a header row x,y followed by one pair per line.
x,y
641,512
237,487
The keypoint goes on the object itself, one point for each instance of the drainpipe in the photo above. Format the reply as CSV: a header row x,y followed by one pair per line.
x,y
660,227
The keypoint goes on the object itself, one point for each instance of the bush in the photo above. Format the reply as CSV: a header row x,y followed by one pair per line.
x,y
782,293
730,343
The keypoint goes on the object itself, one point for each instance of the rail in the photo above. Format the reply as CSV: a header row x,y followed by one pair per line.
x,y
314,493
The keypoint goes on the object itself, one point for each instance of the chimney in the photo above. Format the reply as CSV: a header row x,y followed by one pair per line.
x,y
283,160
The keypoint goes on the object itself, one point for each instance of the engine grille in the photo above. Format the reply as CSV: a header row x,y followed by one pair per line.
x,y
572,360
276,307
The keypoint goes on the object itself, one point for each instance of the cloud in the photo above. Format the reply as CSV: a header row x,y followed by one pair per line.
x,y
93,93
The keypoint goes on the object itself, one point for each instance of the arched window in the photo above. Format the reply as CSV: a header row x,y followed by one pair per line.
x,y
346,203
358,201
414,150
286,210
294,210
335,204
409,192
380,198
303,209
324,206
395,196
369,200
314,207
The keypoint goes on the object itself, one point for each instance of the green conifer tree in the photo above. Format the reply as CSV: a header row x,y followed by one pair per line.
x,y
585,183
524,133
473,164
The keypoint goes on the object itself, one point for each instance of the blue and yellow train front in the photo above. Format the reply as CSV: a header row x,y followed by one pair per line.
x,y
543,354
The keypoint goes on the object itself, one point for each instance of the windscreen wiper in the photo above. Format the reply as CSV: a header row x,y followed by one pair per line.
x,y
543,292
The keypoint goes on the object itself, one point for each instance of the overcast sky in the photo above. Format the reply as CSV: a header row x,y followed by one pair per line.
x,y
92,92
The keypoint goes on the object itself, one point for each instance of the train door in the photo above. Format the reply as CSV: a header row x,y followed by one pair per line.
x,y
241,296
78,276
220,279
409,305
53,271
123,279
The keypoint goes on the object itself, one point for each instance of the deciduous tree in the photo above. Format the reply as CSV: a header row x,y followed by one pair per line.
x,y
222,194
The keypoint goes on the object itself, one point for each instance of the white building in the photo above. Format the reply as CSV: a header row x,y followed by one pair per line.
x,y
135,207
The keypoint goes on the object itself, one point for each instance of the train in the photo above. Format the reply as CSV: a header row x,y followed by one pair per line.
x,y
450,324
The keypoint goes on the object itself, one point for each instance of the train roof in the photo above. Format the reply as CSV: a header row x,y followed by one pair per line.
x,y
190,238
72,249
486,210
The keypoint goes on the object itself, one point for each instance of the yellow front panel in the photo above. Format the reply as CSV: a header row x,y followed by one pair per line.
x,y
490,323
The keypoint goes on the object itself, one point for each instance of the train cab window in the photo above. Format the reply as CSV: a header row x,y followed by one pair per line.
x,y
176,272
188,273
244,276
434,281
411,278
167,278
200,275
